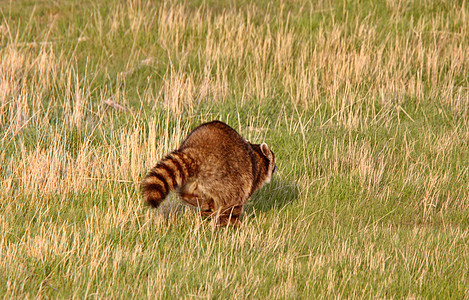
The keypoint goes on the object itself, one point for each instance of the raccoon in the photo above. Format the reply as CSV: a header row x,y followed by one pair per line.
x,y
215,170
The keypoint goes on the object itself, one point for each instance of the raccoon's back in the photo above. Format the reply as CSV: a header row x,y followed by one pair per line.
x,y
218,145
224,159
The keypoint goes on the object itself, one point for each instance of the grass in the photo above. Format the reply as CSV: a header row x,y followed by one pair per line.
x,y
365,104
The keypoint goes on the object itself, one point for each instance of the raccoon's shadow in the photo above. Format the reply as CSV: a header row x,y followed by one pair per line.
x,y
275,195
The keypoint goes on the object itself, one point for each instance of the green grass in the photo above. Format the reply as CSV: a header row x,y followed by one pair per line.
x,y
364,103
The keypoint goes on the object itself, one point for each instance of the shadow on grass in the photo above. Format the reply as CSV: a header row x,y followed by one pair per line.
x,y
274,195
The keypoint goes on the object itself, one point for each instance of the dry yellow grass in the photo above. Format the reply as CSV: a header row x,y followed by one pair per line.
x,y
365,105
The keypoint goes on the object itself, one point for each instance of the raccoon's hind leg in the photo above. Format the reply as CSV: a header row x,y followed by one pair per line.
x,y
190,199
192,196
206,206
229,216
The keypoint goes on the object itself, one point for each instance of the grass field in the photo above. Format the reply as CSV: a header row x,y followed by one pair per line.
x,y
365,104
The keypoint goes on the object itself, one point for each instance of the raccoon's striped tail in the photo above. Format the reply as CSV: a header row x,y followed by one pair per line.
x,y
168,174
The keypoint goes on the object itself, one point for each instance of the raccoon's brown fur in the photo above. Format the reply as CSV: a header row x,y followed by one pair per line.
x,y
215,169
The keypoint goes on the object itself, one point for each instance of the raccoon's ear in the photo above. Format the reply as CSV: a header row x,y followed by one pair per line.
x,y
266,151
